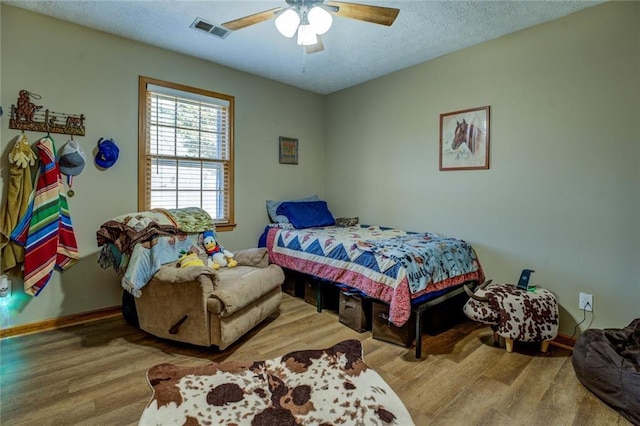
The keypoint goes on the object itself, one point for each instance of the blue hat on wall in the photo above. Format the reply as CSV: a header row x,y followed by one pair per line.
x,y
107,153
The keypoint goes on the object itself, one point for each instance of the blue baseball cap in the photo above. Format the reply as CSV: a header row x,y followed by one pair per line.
x,y
107,153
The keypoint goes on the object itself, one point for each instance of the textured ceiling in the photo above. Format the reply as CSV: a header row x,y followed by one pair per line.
x,y
355,51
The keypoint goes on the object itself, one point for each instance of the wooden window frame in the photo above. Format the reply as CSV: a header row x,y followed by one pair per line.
x,y
144,157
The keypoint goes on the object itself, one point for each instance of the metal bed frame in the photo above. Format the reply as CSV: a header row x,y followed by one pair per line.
x,y
419,308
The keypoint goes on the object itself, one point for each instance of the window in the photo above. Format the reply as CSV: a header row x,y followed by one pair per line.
x,y
185,149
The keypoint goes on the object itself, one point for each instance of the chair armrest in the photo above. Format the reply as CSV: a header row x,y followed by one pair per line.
x,y
257,257
171,274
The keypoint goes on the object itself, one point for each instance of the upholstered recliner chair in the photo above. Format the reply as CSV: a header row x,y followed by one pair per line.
x,y
205,307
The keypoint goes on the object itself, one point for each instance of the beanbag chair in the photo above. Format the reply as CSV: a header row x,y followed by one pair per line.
x,y
607,362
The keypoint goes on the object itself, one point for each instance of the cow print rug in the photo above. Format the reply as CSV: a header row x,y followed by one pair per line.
x,y
325,387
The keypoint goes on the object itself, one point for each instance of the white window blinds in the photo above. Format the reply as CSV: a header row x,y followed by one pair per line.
x,y
188,151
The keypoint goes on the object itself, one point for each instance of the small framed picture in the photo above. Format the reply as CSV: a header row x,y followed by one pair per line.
x,y
288,150
464,139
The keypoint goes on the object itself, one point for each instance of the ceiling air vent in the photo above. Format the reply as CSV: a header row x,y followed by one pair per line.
x,y
213,29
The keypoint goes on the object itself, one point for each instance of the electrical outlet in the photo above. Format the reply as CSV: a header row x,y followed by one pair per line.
x,y
585,302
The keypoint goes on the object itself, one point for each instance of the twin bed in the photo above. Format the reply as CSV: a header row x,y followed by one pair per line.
x,y
408,270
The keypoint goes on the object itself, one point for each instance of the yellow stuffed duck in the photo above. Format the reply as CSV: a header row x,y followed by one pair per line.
x,y
189,259
218,256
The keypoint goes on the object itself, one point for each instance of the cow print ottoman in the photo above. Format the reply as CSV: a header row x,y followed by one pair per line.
x,y
515,314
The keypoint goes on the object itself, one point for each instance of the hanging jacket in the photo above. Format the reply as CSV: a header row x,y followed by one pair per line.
x,y
19,194
49,239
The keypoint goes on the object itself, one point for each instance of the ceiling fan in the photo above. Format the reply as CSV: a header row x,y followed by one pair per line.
x,y
312,18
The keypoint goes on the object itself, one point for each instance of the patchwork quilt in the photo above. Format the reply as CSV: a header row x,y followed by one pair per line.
x,y
388,264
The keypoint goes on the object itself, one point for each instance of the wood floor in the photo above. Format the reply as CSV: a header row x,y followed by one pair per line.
x,y
94,374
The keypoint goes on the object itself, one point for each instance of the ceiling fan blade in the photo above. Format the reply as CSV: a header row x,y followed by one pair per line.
x,y
314,48
256,18
363,12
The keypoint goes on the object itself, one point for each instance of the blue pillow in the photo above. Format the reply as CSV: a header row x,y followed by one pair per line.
x,y
307,214
272,207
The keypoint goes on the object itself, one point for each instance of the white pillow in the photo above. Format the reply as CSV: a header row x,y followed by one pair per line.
x,y
272,208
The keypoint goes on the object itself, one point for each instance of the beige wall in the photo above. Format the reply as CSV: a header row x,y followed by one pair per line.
x,y
562,195
77,70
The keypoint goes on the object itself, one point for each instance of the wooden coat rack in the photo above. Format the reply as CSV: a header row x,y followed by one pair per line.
x,y
26,115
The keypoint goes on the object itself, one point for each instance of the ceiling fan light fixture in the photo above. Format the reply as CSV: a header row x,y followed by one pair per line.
x,y
287,23
306,35
320,20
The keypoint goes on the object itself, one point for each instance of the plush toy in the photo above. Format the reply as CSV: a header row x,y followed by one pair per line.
x,y
21,155
218,256
190,259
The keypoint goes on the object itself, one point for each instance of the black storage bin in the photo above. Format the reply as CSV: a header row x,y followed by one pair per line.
x,y
355,311
383,329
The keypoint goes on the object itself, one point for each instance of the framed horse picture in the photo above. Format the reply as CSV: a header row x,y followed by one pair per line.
x,y
464,139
